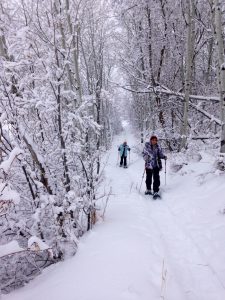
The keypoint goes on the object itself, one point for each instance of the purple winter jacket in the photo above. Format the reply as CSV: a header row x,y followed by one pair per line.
x,y
151,155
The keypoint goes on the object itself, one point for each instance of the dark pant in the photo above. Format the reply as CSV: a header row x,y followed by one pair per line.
x,y
156,180
123,160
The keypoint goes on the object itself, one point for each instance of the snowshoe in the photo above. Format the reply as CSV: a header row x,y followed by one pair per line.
x,y
125,167
148,192
156,196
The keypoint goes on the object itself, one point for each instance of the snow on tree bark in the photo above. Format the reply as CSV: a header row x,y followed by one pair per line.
x,y
217,12
188,70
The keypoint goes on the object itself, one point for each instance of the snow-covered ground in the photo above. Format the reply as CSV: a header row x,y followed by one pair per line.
x,y
171,249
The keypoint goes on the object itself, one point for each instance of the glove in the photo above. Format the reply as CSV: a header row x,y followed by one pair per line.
x,y
128,149
165,157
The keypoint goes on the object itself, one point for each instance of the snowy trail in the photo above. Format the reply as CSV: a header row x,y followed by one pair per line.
x,y
122,258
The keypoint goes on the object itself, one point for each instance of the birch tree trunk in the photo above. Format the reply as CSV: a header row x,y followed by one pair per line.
x,y
188,69
220,67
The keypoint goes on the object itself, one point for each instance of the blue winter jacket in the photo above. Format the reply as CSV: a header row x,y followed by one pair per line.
x,y
151,155
123,148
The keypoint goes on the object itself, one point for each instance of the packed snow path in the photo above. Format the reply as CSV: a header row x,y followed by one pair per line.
x,y
170,249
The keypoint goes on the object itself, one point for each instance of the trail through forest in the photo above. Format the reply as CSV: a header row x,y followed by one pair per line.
x,y
144,249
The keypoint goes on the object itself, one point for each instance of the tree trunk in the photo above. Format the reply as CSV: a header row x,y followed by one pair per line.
x,y
209,61
150,53
220,67
162,52
75,52
188,69
63,144
69,73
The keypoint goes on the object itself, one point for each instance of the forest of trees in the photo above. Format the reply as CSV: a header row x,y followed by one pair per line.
x,y
173,58
60,65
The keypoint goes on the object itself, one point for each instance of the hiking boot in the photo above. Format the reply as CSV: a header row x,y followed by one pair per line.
x,y
148,192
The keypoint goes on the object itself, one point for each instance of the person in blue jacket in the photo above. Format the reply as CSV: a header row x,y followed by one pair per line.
x,y
123,148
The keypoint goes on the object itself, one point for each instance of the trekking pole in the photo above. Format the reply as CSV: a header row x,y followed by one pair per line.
x,y
142,180
118,158
165,171
129,157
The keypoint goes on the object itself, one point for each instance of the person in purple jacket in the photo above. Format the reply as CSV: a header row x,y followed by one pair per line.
x,y
152,154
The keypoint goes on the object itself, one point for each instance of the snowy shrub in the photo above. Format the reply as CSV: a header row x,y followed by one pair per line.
x,y
220,163
177,161
176,167
192,153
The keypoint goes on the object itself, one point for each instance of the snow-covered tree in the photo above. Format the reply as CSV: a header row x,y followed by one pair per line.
x,y
54,131
167,53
